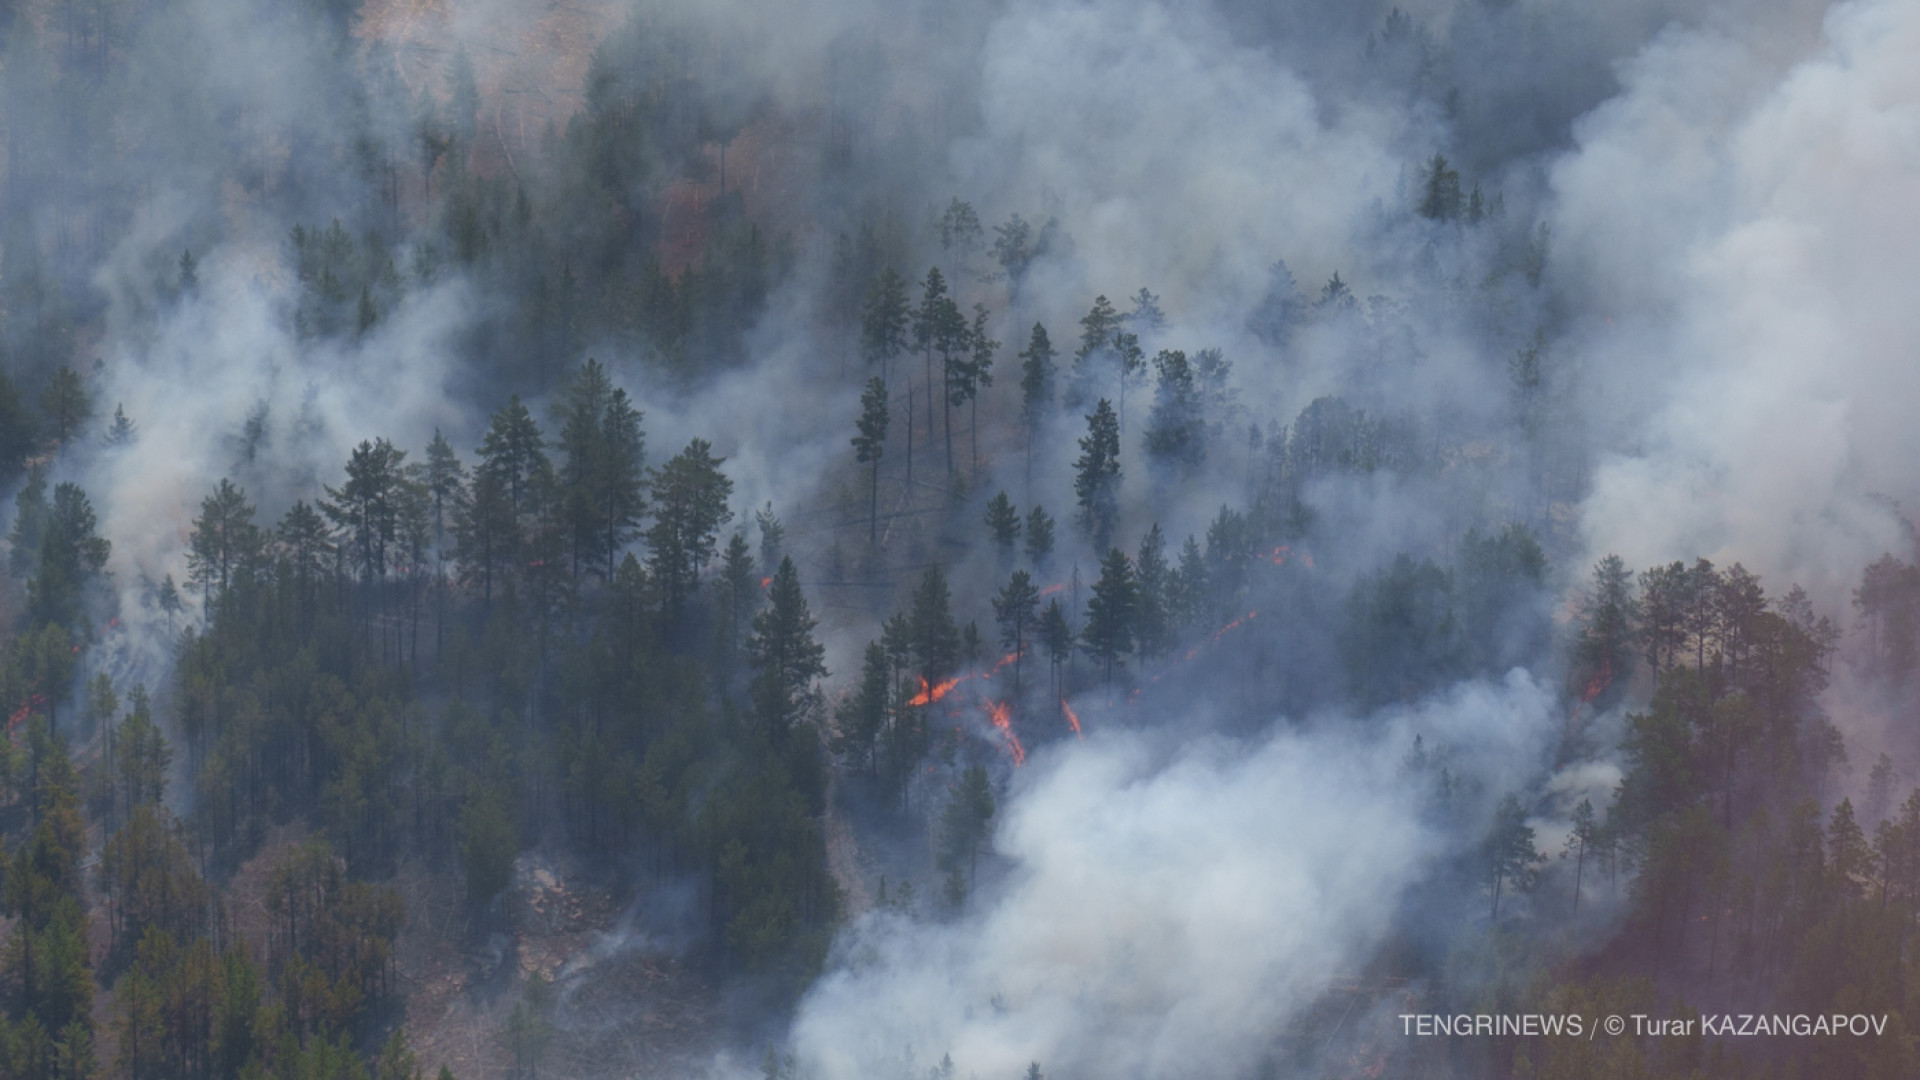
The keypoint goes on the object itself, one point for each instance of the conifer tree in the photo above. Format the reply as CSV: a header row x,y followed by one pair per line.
x,y
1096,481
786,659
869,446
1109,633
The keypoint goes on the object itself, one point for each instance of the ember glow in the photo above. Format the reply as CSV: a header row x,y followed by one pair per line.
x,y
1001,715
1073,718
1599,683
33,704
930,694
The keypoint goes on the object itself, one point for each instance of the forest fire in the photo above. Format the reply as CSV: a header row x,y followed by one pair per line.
x,y
930,694
33,704
1073,718
1599,683
1217,635
1001,714
1279,556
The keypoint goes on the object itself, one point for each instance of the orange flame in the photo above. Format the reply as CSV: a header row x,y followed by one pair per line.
x,y
26,709
1001,713
1217,635
765,581
1600,681
1073,718
930,694
1053,588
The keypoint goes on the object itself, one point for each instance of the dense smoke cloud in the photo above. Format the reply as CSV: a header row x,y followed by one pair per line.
x,y
1166,905
222,389
1731,241
1750,329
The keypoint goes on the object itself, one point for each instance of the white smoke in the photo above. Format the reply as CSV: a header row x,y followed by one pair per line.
x,y
1165,907
1749,247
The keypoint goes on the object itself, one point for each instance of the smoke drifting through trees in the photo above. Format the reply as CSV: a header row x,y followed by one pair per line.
x,y
386,392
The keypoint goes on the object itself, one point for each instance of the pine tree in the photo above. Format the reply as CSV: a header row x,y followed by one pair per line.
x,y
933,638
17,435
72,556
1109,633
223,542
1605,644
977,373
510,481
123,430
863,715
773,537
1146,316
933,327
66,404
1016,609
1039,538
1440,191
1036,384
169,600
1003,522
785,657
1510,860
1152,628
739,599
690,496
1096,481
885,322
367,508
1129,362
870,445
964,826
1058,637
604,465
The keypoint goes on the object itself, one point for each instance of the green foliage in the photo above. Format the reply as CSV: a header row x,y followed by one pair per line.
x,y
1036,378
1604,647
1500,595
1003,523
1401,636
224,541
72,557
690,505
863,716
933,637
488,843
66,405
16,431
870,445
1096,480
1511,862
1109,633
1039,546
964,826
601,477
1440,198
885,322
785,658
1016,610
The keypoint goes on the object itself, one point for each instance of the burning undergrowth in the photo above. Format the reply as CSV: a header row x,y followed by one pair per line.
x,y
1166,901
